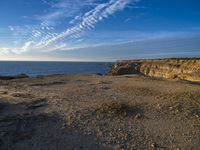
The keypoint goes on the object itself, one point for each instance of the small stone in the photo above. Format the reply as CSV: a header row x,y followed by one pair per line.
x,y
154,145
159,106
177,111
3,92
137,116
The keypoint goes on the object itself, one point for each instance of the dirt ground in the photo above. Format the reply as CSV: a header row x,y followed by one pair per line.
x,y
91,112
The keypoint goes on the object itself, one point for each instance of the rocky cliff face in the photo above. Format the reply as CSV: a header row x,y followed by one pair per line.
x,y
183,69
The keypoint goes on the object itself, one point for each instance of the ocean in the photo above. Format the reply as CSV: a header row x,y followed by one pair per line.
x,y
33,68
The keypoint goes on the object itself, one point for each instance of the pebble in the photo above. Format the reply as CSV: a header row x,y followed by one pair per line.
x,y
153,145
159,106
3,92
137,116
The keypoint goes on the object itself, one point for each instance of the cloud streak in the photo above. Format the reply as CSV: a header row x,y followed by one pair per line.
x,y
43,37
63,9
89,20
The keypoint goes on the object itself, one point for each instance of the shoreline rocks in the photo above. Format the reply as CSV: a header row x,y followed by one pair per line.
x,y
19,76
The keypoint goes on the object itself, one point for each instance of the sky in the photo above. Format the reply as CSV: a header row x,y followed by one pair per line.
x,y
98,30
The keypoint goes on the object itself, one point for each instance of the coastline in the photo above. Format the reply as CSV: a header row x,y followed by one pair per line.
x,y
99,112
173,68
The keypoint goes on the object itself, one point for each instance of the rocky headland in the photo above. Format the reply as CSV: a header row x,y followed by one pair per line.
x,y
182,69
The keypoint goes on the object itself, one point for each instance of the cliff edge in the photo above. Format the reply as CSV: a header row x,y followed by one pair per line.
x,y
183,68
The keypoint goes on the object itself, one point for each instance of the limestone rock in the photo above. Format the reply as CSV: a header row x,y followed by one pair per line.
x,y
183,69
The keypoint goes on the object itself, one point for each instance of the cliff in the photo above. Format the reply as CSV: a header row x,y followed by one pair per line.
x,y
183,69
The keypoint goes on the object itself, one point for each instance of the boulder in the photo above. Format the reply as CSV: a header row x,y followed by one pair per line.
x,y
124,68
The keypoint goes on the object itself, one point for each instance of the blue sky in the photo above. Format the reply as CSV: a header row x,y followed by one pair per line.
x,y
98,30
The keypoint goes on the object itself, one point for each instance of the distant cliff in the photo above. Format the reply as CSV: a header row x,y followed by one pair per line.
x,y
183,69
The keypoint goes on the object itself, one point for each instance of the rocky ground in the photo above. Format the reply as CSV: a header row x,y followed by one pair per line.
x,y
99,112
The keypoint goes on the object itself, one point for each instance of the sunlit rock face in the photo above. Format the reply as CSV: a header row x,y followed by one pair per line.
x,y
183,69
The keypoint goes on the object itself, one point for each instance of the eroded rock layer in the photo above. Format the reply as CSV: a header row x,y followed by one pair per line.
x,y
183,69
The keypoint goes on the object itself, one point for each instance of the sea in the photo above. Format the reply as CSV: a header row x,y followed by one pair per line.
x,y
35,68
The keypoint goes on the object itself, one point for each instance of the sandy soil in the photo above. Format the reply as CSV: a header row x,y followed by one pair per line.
x,y
99,112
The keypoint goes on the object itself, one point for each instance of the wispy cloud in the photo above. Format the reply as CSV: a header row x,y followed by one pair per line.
x,y
44,37
88,21
62,9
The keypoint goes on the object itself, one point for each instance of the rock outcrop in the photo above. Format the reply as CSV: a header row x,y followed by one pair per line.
x,y
183,69
19,76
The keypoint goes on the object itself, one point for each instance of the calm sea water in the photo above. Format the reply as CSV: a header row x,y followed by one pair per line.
x,y
47,68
